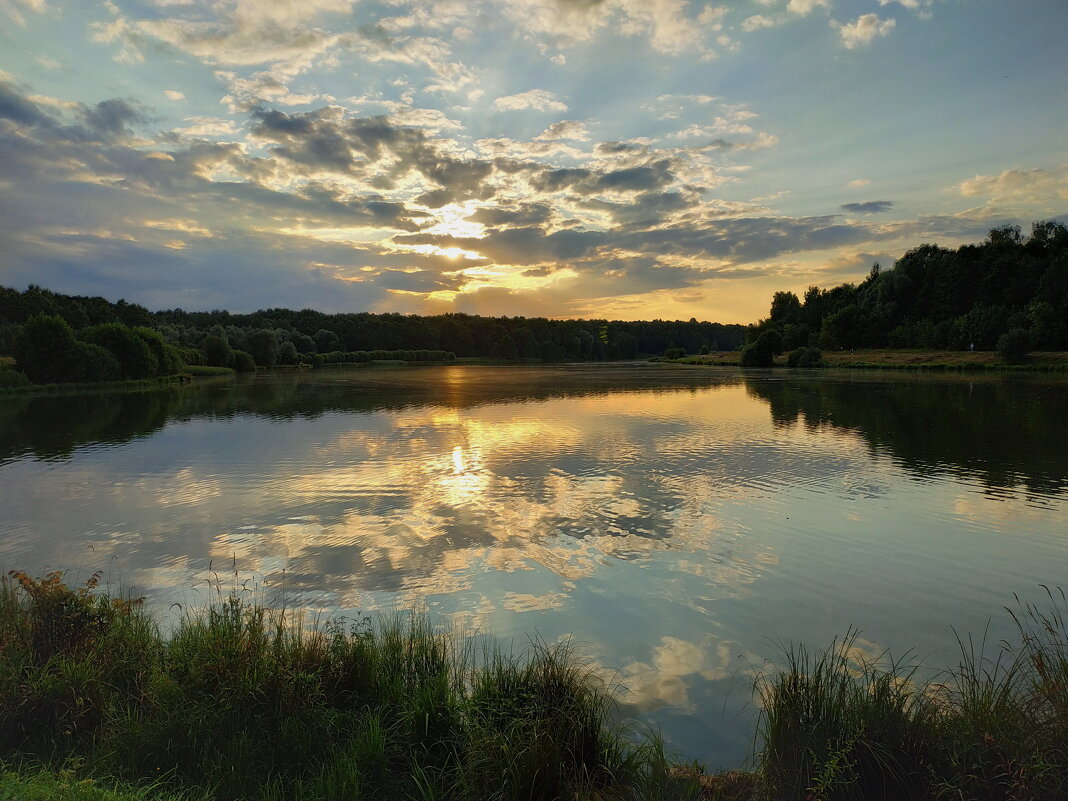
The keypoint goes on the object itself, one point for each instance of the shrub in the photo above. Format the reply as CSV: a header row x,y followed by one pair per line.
x,y
12,378
674,353
48,351
805,357
287,353
166,361
97,363
756,355
1014,346
263,345
136,359
243,362
217,352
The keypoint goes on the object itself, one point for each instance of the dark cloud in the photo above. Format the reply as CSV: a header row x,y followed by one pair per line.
x,y
520,246
323,141
647,210
583,181
870,207
110,118
17,108
521,216
617,148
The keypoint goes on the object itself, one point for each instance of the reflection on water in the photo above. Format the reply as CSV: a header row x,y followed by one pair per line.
x,y
677,521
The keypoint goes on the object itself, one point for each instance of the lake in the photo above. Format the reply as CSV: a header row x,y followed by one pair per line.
x,y
679,524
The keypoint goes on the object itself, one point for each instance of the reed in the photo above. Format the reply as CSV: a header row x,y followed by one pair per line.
x,y
242,701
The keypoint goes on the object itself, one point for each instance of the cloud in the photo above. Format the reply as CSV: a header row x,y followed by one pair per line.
x,y
858,183
756,22
537,99
870,207
173,94
803,7
863,30
565,129
1038,186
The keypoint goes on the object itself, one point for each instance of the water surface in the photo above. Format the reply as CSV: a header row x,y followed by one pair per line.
x,y
679,522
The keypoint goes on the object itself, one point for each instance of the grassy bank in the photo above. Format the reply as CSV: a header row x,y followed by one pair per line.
x,y
80,388
246,702
905,360
993,728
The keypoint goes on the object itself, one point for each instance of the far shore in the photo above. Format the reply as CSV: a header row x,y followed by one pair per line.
x,y
905,360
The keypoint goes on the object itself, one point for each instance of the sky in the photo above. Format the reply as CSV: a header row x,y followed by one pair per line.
x,y
621,159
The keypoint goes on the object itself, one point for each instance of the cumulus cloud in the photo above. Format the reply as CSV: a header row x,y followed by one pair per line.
x,y
863,30
756,22
565,129
1039,185
869,207
174,94
803,7
536,99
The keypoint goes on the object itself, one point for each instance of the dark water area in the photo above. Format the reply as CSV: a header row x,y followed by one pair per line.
x,y
677,523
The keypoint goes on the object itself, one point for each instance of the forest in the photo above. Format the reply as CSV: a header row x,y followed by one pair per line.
x,y
1009,292
937,298
53,337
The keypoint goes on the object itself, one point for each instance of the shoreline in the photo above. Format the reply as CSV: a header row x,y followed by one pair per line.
x,y
932,360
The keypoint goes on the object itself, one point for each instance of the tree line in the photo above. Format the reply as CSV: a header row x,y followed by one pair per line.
x,y
1009,293
35,317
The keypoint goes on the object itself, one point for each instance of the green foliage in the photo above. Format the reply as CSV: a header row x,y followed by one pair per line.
x,y
97,363
1014,346
674,353
263,346
287,353
243,362
935,298
245,702
841,726
48,352
136,358
756,355
10,379
805,357
29,784
217,352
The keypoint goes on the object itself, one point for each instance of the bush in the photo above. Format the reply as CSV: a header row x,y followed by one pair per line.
x,y
12,378
805,357
217,351
674,353
97,363
1014,346
48,351
287,353
136,359
756,355
167,363
243,362
248,702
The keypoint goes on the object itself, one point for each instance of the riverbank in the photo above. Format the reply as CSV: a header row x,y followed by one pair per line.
x,y
242,701
1053,361
82,388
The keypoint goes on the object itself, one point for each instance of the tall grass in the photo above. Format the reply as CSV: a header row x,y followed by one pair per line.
x,y
994,728
242,701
